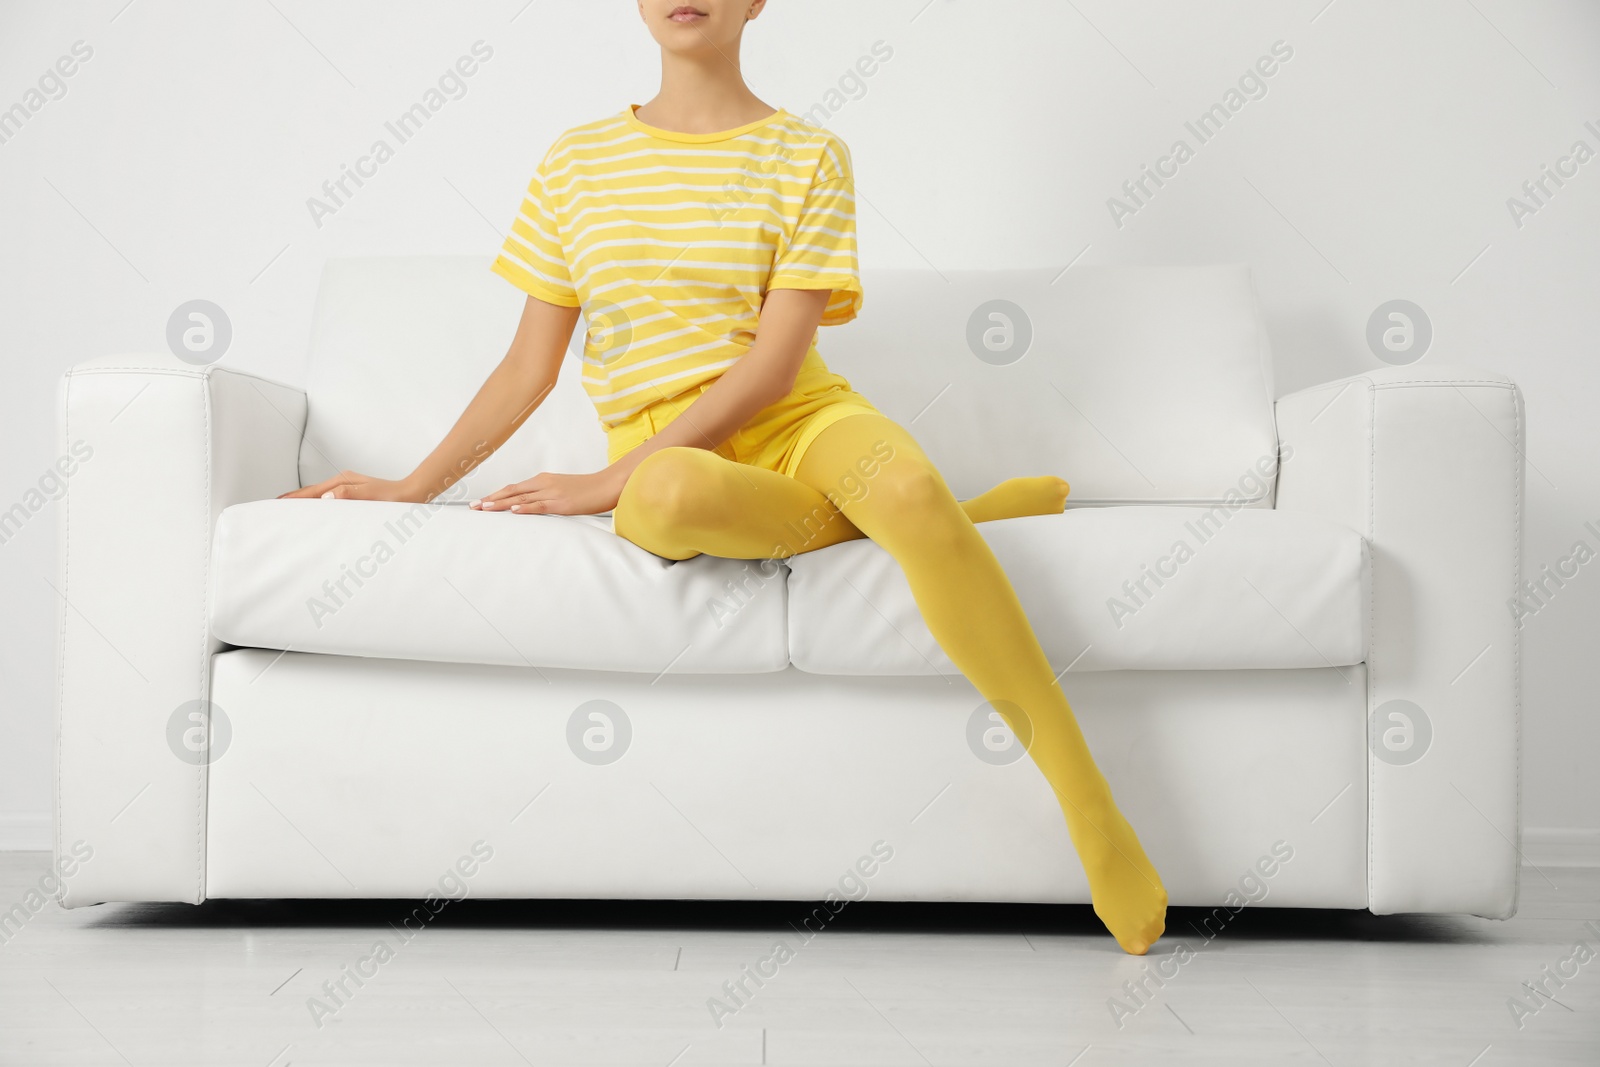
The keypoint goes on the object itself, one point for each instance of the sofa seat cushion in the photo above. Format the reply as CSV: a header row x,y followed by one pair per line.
x,y
1135,587
444,582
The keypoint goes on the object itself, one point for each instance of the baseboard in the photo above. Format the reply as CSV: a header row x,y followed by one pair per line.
x,y
25,832
1561,847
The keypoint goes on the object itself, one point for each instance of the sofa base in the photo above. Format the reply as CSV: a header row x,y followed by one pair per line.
x,y
352,777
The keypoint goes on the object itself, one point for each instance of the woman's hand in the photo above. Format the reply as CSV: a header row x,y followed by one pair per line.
x,y
557,494
348,485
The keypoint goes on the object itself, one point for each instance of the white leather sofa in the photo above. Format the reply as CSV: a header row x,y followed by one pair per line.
x,y
400,683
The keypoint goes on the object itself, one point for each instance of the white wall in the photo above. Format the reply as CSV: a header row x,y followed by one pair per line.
x,y
1377,165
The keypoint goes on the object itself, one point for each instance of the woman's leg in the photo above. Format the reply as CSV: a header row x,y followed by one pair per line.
x,y
1044,494
681,502
972,611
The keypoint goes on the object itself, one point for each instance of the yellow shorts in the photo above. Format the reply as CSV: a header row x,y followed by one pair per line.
x,y
775,439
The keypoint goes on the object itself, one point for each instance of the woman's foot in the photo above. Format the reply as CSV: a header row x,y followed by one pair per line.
x,y
1127,892
1042,495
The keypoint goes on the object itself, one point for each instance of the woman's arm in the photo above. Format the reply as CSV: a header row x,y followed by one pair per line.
x,y
512,392
765,374
762,376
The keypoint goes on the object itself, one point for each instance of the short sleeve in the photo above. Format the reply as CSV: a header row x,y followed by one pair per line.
x,y
822,252
532,257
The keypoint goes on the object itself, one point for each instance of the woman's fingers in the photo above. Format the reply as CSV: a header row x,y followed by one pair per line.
x,y
514,489
310,490
542,502
322,488
501,497
306,491
342,488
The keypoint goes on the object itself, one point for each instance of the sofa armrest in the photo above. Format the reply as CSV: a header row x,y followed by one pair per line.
x,y
1427,463
156,448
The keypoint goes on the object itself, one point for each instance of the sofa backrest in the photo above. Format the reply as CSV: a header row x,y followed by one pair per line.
x,y
399,346
1138,384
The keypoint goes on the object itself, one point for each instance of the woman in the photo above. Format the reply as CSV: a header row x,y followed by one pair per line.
x,y
709,235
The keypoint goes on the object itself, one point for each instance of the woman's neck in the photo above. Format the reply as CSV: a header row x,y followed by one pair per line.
x,y
702,94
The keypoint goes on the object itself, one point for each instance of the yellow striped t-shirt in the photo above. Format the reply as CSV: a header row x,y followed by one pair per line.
x,y
669,241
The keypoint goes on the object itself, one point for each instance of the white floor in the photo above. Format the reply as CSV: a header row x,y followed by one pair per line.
x,y
492,982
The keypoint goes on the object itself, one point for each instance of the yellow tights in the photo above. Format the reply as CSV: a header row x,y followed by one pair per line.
x,y
865,476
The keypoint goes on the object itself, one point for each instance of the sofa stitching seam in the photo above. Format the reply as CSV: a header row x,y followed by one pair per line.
x,y
1516,637
1412,382
1372,638
205,653
1345,383
175,372
61,648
